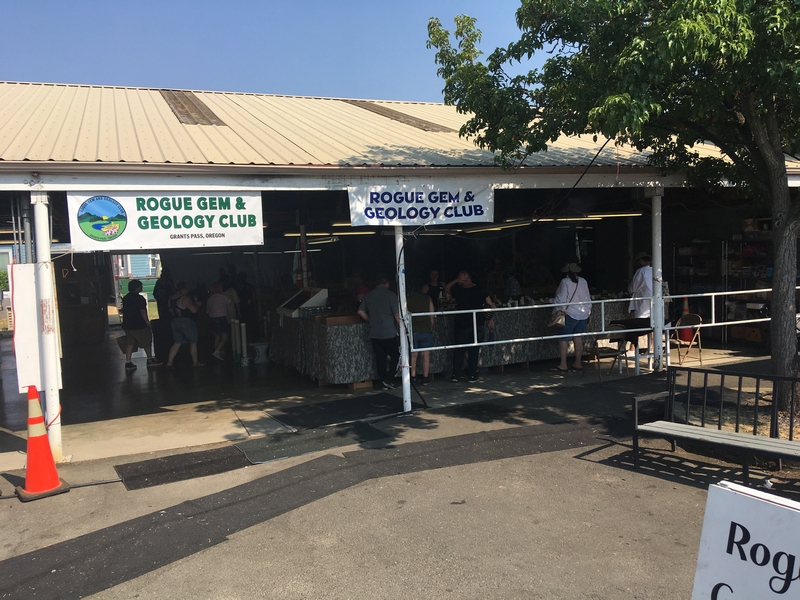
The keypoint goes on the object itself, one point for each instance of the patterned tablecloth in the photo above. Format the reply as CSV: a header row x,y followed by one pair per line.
x,y
343,353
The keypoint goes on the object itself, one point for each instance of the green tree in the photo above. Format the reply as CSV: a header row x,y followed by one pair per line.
x,y
669,77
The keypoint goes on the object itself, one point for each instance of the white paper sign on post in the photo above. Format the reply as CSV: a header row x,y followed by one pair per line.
x,y
749,548
152,221
445,202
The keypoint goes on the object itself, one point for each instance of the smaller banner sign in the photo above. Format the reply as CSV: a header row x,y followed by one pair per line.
x,y
414,204
749,547
129,221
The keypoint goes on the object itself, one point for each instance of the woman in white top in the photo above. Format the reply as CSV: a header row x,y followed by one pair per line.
x,y
572,289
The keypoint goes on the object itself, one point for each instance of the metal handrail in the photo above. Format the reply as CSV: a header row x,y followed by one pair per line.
x,y
602,303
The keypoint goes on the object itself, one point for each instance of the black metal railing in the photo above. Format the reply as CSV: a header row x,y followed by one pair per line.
x,y
745,402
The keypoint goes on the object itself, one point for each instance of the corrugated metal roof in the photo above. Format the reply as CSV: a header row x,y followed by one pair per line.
x,y
67,123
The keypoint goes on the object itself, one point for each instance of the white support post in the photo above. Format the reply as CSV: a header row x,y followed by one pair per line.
x,y
48,340
657,309
405,373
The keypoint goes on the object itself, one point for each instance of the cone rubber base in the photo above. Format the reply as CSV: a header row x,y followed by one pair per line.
x,y
27,496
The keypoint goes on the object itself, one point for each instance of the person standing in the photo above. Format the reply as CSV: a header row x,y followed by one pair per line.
x,y
217,309
162,332
136,324
381,310
468,296
434,288
230,291
572,289
422,327
163,289
184,328
641,286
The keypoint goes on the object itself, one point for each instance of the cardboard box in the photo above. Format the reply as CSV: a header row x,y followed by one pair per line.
x,y
749,334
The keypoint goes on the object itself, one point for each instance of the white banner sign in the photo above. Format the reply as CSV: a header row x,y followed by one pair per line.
x,y
410,204
749,547
129,221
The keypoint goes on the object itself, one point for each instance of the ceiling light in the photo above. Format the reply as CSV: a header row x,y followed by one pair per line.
x,y
498,226
308,234
610,215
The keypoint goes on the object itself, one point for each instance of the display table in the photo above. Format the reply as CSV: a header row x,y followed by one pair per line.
x,y
343,353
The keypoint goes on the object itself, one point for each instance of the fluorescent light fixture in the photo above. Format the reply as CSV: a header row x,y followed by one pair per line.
x,y
498,226
265,252
355,233
340,224
560,219
326,240
209,253
297,251
308,234
612,215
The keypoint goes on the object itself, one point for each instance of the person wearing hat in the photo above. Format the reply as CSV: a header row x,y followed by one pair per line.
x,y
572,289
641,286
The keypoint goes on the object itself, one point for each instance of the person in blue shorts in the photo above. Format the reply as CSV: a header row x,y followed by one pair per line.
x,y
422,327
572,289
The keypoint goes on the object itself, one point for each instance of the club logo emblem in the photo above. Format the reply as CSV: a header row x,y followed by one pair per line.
x,y
102,219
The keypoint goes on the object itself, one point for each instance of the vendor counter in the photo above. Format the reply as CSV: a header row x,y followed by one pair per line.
x,y
342,353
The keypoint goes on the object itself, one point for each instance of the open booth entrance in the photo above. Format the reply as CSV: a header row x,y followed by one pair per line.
x,y
605,227
339,259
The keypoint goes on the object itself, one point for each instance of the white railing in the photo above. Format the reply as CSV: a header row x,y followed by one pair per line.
x,y
668,328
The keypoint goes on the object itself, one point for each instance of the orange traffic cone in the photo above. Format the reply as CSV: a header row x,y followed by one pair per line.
x,y
41,477
685,335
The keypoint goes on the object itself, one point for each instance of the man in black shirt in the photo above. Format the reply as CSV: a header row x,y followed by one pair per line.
x,y
163,289
136,324
468,296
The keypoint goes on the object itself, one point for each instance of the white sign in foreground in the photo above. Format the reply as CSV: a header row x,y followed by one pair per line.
x,y
416,204
152,221
749,547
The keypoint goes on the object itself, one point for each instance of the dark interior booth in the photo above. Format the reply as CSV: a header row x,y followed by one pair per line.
x,y
711,242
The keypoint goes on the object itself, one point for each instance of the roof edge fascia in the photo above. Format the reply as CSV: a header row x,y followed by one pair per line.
x,y
62,168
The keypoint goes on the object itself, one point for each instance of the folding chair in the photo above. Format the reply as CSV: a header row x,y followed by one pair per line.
x,y
611,345
688,319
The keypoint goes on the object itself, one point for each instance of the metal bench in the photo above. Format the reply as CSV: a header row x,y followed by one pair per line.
x,y
727,417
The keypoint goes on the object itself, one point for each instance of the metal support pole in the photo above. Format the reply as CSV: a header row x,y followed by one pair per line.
x,y
657,309
405,373
235,341
26,227
243,339
303,255
48,342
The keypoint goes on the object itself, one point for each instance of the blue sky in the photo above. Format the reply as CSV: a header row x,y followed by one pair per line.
x,y
340,48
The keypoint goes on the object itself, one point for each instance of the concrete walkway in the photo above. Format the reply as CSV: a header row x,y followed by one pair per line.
x,y
179,424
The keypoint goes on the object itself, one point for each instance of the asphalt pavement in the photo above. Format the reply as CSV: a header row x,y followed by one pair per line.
x,y
521,486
